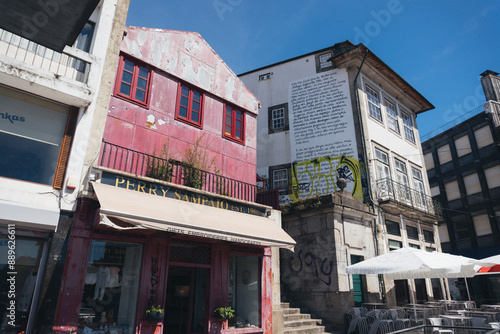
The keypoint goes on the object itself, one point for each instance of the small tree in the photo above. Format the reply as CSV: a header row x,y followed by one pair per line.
x,y
196,160
160,167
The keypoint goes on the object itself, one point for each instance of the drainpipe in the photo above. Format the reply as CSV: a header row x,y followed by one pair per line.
x,y
368,182
363,146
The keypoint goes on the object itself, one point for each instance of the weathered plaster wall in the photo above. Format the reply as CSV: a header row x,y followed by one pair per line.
x,y
186,56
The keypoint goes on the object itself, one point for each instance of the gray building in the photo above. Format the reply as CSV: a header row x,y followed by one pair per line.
x,y
463,166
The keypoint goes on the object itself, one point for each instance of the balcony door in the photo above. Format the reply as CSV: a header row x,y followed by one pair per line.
x,y
383,174
403,186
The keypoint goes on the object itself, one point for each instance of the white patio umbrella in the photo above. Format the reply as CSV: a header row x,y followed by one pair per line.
x,y
409,263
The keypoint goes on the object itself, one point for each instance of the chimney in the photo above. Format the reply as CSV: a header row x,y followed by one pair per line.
x,y
491,85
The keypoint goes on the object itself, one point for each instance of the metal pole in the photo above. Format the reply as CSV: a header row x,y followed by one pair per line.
x,y
467,287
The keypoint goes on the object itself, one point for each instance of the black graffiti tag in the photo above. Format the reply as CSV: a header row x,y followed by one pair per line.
x,y
322,267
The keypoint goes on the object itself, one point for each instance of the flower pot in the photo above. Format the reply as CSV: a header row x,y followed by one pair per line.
x,y
155,316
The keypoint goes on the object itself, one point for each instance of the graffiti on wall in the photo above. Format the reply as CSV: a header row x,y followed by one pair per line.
x,y
322,268
319,176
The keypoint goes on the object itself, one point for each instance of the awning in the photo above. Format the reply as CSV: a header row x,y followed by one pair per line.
x,y
171,215
489,270
53,24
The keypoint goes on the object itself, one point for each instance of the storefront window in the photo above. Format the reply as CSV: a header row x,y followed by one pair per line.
x,y
31,132
244,290
23,276
111,285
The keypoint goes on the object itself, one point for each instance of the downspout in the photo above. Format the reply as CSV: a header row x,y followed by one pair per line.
x,y
368,182
363,146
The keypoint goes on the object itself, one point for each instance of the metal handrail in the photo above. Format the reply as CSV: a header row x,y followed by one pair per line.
x,y
388,189
451,124
139,163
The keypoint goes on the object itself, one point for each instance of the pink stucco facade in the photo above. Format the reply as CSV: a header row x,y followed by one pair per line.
x,y
173,57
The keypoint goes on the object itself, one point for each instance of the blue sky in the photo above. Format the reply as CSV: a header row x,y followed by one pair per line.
x,y
439,47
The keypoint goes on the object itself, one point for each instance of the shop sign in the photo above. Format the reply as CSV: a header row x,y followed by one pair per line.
x,y
162,190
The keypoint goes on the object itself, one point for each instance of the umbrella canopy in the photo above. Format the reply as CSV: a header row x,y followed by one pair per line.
x,y
407,263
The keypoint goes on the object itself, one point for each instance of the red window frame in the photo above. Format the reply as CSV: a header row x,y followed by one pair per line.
x,y
233,116
134,79
186,104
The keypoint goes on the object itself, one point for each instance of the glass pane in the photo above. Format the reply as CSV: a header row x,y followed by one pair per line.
x,y
237,134
229,121
140,95
84,39
228,130
30,138
196,106
141,83
195,117
125,89
27,259
184,101
127,77
185,91
111,285
143,72
238,124
239,115
128,66
244,290
196,96
183,112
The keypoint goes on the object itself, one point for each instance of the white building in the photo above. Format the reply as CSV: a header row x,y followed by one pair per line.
x,y
53,105
341,112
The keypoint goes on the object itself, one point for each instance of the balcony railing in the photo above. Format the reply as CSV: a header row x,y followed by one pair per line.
x,y
451,124
269,197
388,189
26,51
134,162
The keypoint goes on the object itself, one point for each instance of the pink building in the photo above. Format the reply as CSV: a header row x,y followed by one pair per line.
x,y
172,86
170,217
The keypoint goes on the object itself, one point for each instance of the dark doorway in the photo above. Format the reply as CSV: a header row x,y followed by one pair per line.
x,y
402,292
186,300
421,290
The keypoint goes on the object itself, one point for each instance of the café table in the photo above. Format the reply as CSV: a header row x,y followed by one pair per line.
x,y
456,319
490,316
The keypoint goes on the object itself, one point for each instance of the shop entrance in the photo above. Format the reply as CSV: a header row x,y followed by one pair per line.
x,y
186,300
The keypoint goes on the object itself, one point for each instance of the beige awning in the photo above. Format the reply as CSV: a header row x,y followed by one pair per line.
x,y
171,215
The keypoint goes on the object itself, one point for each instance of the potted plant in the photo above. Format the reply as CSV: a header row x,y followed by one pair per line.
x,y
155,313
224,314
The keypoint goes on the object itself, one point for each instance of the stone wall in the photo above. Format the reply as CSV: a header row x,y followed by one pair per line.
x,y
327,234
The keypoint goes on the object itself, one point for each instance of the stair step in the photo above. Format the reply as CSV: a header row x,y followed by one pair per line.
x,y
298,316
305,330
291,311
302,323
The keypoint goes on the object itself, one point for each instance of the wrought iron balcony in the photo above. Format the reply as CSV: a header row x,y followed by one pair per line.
x,y
60,64
389,190
134,162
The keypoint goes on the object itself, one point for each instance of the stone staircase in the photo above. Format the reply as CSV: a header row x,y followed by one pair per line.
x,y
298,323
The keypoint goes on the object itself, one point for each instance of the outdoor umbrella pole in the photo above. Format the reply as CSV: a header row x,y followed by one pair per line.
x,y
467,287
413,298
